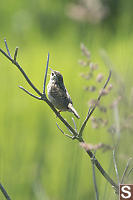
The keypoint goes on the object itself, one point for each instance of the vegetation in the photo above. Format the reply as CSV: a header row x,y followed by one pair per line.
x,y
36,161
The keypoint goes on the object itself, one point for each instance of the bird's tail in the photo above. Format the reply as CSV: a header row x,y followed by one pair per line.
x,y
70,106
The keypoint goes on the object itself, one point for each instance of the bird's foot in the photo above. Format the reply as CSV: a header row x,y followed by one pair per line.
x,y
59,111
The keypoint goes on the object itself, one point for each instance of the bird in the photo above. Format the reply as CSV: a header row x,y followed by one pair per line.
x,y
58,94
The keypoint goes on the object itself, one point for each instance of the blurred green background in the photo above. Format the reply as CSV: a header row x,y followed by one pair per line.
x,y
36,160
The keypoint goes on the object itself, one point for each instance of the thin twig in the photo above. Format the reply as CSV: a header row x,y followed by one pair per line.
x,y
94,177
7,48
93,108
125,171
84,123
16,53
4,192
74,124
115,165
45,78
129,172
39,98
69,131
63,132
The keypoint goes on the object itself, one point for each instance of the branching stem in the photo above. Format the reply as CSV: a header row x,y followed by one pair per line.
x,y
76,135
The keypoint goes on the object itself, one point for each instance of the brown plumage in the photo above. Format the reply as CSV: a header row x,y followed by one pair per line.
x,y
58,94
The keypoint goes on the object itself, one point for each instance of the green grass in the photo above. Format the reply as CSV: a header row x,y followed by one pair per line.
x,y
36,160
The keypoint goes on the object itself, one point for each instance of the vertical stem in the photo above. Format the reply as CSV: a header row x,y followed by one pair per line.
x,y
94,178
45,77
116,169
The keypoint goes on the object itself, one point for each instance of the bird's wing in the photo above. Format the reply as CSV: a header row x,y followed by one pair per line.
x,y
65,93
68,96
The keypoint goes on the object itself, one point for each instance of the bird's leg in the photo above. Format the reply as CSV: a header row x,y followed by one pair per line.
x,y
59,111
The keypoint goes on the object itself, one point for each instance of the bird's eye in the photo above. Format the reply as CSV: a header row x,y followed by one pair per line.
x,y
52,73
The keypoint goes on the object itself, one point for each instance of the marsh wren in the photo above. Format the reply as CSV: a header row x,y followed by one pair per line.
x,y
58,95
